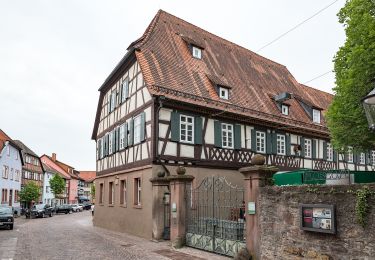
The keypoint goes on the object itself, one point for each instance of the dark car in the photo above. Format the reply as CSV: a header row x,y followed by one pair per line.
x,y
64,209
86,206
6,217
41,210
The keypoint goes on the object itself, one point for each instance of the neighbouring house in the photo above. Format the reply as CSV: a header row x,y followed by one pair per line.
x,y
184,96
48,196
88,178
47,160
11,170
73,183
32,170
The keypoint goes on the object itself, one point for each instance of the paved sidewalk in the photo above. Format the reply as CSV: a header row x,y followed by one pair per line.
x,y
73,236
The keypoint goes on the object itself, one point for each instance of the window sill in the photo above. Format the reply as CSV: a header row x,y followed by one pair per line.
x,y
111,205
123,206
137,206
186,142
101,204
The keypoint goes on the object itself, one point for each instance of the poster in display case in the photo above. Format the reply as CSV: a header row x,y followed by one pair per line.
x,y
318,218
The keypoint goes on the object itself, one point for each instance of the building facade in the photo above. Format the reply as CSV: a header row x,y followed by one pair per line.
x,y
50,162
48,196
88,178
32,170
11,170
206,103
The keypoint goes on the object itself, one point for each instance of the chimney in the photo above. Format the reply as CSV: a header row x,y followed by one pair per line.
x,y
54,157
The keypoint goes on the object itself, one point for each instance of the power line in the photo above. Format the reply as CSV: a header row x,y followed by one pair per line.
x,y
325,73
295,27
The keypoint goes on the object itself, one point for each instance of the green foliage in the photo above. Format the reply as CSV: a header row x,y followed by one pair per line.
x,y
93,190
57,185
30,192
362,207
354,69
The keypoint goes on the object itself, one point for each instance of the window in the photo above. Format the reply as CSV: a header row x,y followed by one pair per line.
x,y
122,136
125,90
16,196
350,154
4,196
47,189
101,193
11,174
16,155
186,129
123,198
373,157
137,129
316,116
329,152
307,147
197,52
362,158
110,145
111,194
137,191
281,144
101,147
227,135
5,172
112,101
285,110
260,142
223,93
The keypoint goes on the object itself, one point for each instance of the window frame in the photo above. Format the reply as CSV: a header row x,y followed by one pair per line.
x,y
110,142
125,90
329,152
101,193
261,136
362,158
111,193
137,192
280,144
186,124
226,91
316,114
350,155
122,136
123,192
287,109
137,132
227,134
199,52
307,146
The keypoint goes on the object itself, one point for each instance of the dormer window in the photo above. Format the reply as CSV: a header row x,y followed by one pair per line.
x,y
285,110
316,116
223,93
197,52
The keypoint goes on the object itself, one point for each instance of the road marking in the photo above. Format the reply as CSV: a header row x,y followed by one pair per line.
x,y
8,248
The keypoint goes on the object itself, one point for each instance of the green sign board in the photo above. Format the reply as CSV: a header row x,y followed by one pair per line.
x,y
251,208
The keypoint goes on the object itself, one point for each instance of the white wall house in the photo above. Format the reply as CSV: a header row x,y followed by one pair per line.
x,y
10,179
47,195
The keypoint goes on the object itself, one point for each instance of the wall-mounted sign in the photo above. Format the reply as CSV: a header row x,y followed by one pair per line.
x,y
251,208
174,207
318,218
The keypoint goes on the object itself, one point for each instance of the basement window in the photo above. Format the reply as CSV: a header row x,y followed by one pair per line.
x,y
197,52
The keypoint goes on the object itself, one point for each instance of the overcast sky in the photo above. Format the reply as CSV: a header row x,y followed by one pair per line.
x,y
54,55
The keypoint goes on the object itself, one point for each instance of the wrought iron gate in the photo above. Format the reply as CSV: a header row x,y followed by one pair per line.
x,y
216,217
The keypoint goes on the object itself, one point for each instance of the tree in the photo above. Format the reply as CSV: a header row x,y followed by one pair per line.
x,y
355,69
92,190
57,185
30,192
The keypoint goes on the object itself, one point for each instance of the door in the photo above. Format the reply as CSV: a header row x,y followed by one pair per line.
x,y
10,198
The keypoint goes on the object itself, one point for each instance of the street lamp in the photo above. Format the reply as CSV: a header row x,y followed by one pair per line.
x,y
368,103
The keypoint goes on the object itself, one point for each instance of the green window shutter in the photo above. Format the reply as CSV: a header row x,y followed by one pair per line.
x,y
126,89
302,146
274,143
325,150
99,147
237,136
126,134
143,126
113,141
368,158
198,130
335,156
131,131
355,157
287,144
118,139
268,142
253,140
107,145
175,126
313,149
217,130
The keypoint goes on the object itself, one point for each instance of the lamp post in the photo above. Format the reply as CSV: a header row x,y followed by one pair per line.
x,y
368,103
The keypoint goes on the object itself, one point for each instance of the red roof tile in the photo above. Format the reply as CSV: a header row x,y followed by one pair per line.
x,y
87,176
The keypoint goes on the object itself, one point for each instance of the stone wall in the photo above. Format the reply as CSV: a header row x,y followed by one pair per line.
x,y
282,238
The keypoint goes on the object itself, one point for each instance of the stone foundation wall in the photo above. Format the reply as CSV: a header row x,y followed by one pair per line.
x,y
282,238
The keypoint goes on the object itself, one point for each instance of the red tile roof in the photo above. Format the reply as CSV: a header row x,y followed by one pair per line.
x,y
167,64
87,176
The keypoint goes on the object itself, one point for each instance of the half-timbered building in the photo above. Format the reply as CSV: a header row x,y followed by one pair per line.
x,y
184,96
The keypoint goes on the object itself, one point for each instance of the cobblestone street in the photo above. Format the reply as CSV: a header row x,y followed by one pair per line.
x,y
73,236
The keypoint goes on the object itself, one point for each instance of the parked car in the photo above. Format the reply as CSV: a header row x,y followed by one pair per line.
x,y
86,206
77,208
66,208
41,210
92,209
6,217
